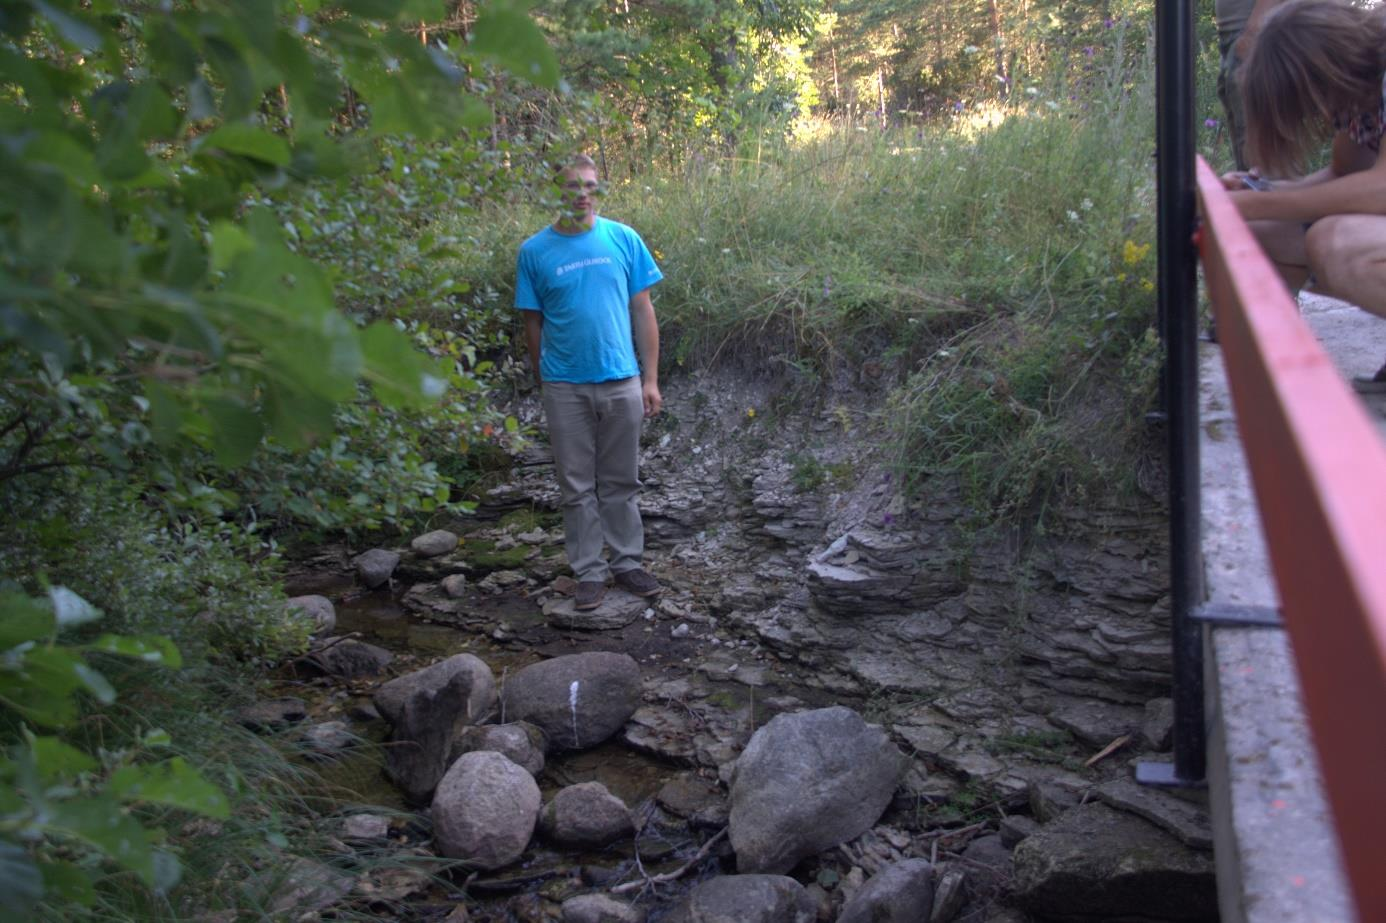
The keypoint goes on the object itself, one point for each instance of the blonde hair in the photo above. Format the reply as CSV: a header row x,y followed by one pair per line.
x,y
574,162
1314,64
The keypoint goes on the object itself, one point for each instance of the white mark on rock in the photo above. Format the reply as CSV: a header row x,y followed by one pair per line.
x,y
572,707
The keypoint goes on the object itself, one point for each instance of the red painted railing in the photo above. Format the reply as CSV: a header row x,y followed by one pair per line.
x,y
1318,466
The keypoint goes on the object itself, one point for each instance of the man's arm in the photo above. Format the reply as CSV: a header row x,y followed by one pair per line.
x,y
645,329
534,332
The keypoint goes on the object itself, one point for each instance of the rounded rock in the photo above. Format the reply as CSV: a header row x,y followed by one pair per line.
x,y
577,700
586,816
522,743
902,892
481,698
598,908
375,567
747,899
807,782
484,810
434,544
317,608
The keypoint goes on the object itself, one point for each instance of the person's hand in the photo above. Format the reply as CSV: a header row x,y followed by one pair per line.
x,y
1236,180
649,392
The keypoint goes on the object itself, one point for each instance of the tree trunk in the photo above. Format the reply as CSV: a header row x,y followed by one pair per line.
x,y
998,38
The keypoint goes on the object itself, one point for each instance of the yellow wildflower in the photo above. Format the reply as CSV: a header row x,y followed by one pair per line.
x,y
1147,285
1132,253
751,413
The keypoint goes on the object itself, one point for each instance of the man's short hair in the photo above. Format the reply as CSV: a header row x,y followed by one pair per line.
x,y
575,162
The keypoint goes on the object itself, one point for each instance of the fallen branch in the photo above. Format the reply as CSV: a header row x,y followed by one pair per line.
x,y
676,874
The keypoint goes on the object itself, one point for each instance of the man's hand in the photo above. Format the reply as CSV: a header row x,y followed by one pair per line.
x,y
645,329
534,336
649,392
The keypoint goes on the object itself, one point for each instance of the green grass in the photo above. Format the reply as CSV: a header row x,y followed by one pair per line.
x,y
1000,276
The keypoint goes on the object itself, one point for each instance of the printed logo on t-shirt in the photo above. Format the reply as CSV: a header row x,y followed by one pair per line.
x,y
580,264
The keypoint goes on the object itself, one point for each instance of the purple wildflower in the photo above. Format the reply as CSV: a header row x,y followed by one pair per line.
x,y
1210,123
887,519
1088,51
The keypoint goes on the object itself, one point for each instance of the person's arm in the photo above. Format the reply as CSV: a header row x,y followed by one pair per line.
x,y
1354,183
645,329
534,333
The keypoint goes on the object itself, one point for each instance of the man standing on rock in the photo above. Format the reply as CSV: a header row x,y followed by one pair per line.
x,y
583,284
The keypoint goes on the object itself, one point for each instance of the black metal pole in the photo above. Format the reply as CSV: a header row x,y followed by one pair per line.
x,y
1179,326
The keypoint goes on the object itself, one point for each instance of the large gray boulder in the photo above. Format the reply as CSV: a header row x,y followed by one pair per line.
x,y
902,892
484,810
747,899
521,742
481,688
318,609
1095,863
422,737
435,543
807,782
586,816
376,566
577,700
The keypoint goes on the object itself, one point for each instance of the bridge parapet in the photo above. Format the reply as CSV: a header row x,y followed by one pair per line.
x,y
1317,467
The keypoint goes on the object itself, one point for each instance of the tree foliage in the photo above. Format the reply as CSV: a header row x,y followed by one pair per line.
x,y
171,339
926,57
136,148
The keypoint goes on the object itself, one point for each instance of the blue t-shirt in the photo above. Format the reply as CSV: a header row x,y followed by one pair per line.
x,y
583,283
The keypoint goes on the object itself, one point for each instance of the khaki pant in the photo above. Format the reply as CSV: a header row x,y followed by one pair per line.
x,y
594,430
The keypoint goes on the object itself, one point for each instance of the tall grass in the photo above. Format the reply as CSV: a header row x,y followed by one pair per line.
x,y
1000,266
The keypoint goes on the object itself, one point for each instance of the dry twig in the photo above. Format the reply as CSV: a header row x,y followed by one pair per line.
x,y
1108,750
648,880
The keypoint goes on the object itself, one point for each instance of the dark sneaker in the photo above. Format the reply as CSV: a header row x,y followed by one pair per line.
x,y
638,582
589,595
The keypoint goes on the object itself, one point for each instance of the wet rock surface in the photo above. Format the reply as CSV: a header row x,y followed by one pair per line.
x,y
998,692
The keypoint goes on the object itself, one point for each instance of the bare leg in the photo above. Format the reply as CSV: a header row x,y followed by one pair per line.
x,y
1348,257
1284,243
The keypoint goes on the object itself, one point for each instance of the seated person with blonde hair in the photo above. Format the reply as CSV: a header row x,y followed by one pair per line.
x,y
1316,73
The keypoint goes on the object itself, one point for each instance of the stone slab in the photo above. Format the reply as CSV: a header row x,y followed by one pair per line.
x,y
1275,845
1186,820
